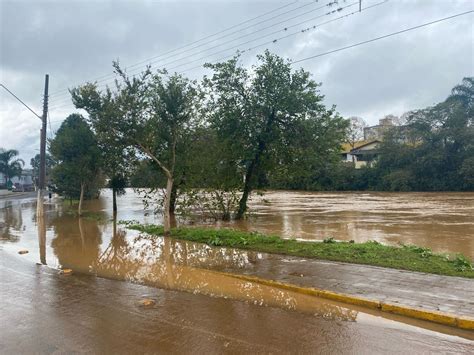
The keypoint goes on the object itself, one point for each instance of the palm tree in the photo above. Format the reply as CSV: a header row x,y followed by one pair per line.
x,y
10,166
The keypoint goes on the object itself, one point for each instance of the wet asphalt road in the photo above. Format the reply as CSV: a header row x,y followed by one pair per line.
x,y
44,312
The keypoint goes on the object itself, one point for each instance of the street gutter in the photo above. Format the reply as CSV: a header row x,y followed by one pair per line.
x,y
461,322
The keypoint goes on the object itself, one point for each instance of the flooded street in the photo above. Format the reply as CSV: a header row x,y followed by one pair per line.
x,y
96,246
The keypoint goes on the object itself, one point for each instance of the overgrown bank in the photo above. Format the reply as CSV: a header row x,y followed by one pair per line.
x,y
406,257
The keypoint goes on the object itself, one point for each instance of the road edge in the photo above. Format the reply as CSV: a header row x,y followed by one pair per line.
x,y
461,322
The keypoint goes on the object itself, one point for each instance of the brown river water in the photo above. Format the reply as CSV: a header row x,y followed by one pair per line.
x,y
443,222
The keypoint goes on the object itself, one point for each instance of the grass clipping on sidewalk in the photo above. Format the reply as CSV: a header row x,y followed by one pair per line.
x,y
405,257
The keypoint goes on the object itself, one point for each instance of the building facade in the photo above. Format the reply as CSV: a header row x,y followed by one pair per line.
x,y
23,182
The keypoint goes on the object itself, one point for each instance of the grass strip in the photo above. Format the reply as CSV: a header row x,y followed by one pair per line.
x,y
405,257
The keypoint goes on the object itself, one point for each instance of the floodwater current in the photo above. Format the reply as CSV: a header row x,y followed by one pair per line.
x,y
100,247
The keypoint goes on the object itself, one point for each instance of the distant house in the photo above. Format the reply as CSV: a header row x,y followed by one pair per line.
x,y
23,182
364,153
378,131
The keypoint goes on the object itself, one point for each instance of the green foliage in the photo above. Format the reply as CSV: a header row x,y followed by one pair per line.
x,y
77,154
271,119
10,165
406,257
148,115
35,164
434,151
461,263
215,241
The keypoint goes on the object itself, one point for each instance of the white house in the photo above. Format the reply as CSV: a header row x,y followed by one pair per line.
x,y
23,182
363,153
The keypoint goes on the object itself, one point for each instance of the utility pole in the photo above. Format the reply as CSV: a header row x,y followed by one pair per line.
x,y
42,172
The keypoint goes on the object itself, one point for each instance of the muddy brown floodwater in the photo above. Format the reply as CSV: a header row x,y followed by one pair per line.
x,y
441,221
100,247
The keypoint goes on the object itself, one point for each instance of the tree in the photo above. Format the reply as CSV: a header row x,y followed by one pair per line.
x,y
35,164
115,157
77,154
435,150
355,131
259,113
148,113
10,166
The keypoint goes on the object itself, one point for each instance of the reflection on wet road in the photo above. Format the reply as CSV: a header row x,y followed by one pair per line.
x,y
100,247
49,313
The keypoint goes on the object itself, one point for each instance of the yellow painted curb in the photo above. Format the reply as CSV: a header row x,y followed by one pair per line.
x,y
427,315
465,323
432,316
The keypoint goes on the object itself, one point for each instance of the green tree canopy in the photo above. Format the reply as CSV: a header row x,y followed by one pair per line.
x,y
35,165
263,113
77,155
152,114
10,165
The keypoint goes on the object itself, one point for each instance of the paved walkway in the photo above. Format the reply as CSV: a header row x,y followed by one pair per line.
x,y
448,294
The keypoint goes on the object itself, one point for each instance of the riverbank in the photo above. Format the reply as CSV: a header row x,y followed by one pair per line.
x,y
404,257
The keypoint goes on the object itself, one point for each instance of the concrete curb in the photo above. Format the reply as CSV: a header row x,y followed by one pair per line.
x,y
451,320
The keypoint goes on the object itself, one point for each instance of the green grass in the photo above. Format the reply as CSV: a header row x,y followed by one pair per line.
x,y
405,257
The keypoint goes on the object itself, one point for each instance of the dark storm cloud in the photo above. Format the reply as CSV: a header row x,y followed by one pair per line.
x,y
75,41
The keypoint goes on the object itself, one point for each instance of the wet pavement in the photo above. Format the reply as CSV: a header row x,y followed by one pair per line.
x,y
161,268
44,312
453,295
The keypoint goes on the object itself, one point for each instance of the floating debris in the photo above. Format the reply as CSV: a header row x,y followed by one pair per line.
x,y
147,302
23,251
65,271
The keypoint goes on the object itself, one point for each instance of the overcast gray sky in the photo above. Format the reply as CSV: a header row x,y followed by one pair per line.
x,y
75,41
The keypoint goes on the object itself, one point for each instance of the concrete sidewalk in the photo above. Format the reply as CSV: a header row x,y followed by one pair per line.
x,y
430,292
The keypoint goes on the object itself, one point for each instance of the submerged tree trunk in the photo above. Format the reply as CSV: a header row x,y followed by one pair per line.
x,y
81,198
166,214
174,194
254,165
246,192
114,202
169,184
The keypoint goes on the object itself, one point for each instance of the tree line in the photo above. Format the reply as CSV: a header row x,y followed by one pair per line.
x,y
214,141
432,151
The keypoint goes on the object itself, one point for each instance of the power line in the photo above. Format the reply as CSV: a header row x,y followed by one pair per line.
x,y
275,40
68,103
245,35
382,37
16,97
51,133
370,40
109,77
210,36
266,35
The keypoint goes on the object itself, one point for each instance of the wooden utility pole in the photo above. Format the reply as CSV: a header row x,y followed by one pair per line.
x,y
42,172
